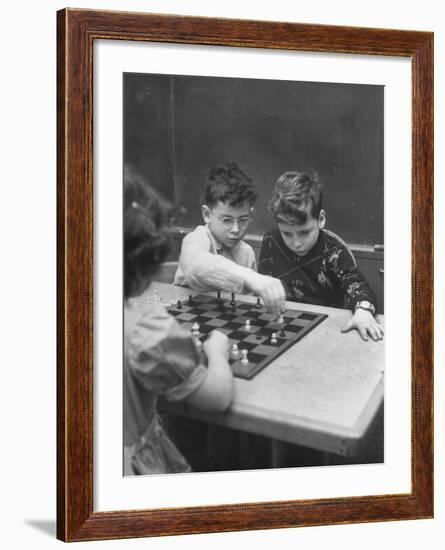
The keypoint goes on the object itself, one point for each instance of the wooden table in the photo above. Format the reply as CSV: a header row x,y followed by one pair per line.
x,y
324,392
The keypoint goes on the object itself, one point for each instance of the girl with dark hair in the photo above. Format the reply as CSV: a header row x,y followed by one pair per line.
x,y
160,358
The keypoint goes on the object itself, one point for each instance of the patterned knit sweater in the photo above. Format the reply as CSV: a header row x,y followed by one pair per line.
x,y
327,275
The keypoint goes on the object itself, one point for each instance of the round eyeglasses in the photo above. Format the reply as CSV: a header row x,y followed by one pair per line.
x,y
228,222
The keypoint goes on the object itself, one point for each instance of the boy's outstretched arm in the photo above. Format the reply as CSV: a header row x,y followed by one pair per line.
x,y
204,270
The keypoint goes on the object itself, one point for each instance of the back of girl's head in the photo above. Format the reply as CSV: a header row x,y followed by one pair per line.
x,y
229,184
146,237
293,193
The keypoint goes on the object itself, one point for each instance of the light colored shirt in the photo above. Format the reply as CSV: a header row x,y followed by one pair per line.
x,y
160,358
205,264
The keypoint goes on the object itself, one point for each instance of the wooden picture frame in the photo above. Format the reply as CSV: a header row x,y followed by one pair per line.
x,y
77,31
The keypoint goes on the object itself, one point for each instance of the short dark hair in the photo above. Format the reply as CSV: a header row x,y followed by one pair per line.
x,y
228,183
146,237
292,194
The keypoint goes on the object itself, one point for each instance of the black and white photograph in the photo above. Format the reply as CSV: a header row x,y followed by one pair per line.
x,y
253,269
221,231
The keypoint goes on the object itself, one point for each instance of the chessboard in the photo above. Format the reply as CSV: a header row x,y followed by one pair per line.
x,y
248,326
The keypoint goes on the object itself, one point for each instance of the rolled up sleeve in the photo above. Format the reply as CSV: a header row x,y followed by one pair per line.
x,y
201,269
169,366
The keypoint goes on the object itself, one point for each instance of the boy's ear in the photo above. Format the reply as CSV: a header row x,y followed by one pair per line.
x,y
322,219
205,213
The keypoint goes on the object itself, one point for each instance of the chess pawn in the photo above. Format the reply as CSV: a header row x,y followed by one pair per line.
x,y
247,324
244,359
273,338
195,329
235,351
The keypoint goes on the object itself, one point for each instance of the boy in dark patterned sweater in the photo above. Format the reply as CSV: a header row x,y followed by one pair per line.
x,y
314,264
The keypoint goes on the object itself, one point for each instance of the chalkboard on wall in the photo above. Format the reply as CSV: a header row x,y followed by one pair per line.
x,y
177,127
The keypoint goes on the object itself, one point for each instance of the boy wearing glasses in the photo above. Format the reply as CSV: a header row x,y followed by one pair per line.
x,y
214,256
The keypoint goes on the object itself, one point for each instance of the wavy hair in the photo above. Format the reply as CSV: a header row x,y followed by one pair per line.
x,y
292,194
228,183
146,237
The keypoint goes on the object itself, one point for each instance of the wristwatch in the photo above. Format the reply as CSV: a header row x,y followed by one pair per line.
x,y
367,306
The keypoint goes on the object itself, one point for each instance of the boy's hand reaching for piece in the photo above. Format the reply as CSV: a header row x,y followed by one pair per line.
x,y
366,324
269,289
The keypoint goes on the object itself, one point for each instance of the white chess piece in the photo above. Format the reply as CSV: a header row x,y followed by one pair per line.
x,y
273,338
195,329
244,359
247,324
235,351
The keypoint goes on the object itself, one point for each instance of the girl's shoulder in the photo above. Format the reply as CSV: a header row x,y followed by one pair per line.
x,y
148,328
162,355
157,332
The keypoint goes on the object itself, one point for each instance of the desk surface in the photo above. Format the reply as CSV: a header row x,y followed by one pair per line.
x,y
323,392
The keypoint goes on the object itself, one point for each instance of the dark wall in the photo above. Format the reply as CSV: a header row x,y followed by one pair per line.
x,y
177,128
147,129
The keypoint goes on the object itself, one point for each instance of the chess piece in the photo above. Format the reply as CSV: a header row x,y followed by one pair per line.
x,y
190,300
258,303
179,305
235,351
273,338
247,324
244,359
282,334
220,301
280,319
257,316
195,329
233,303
